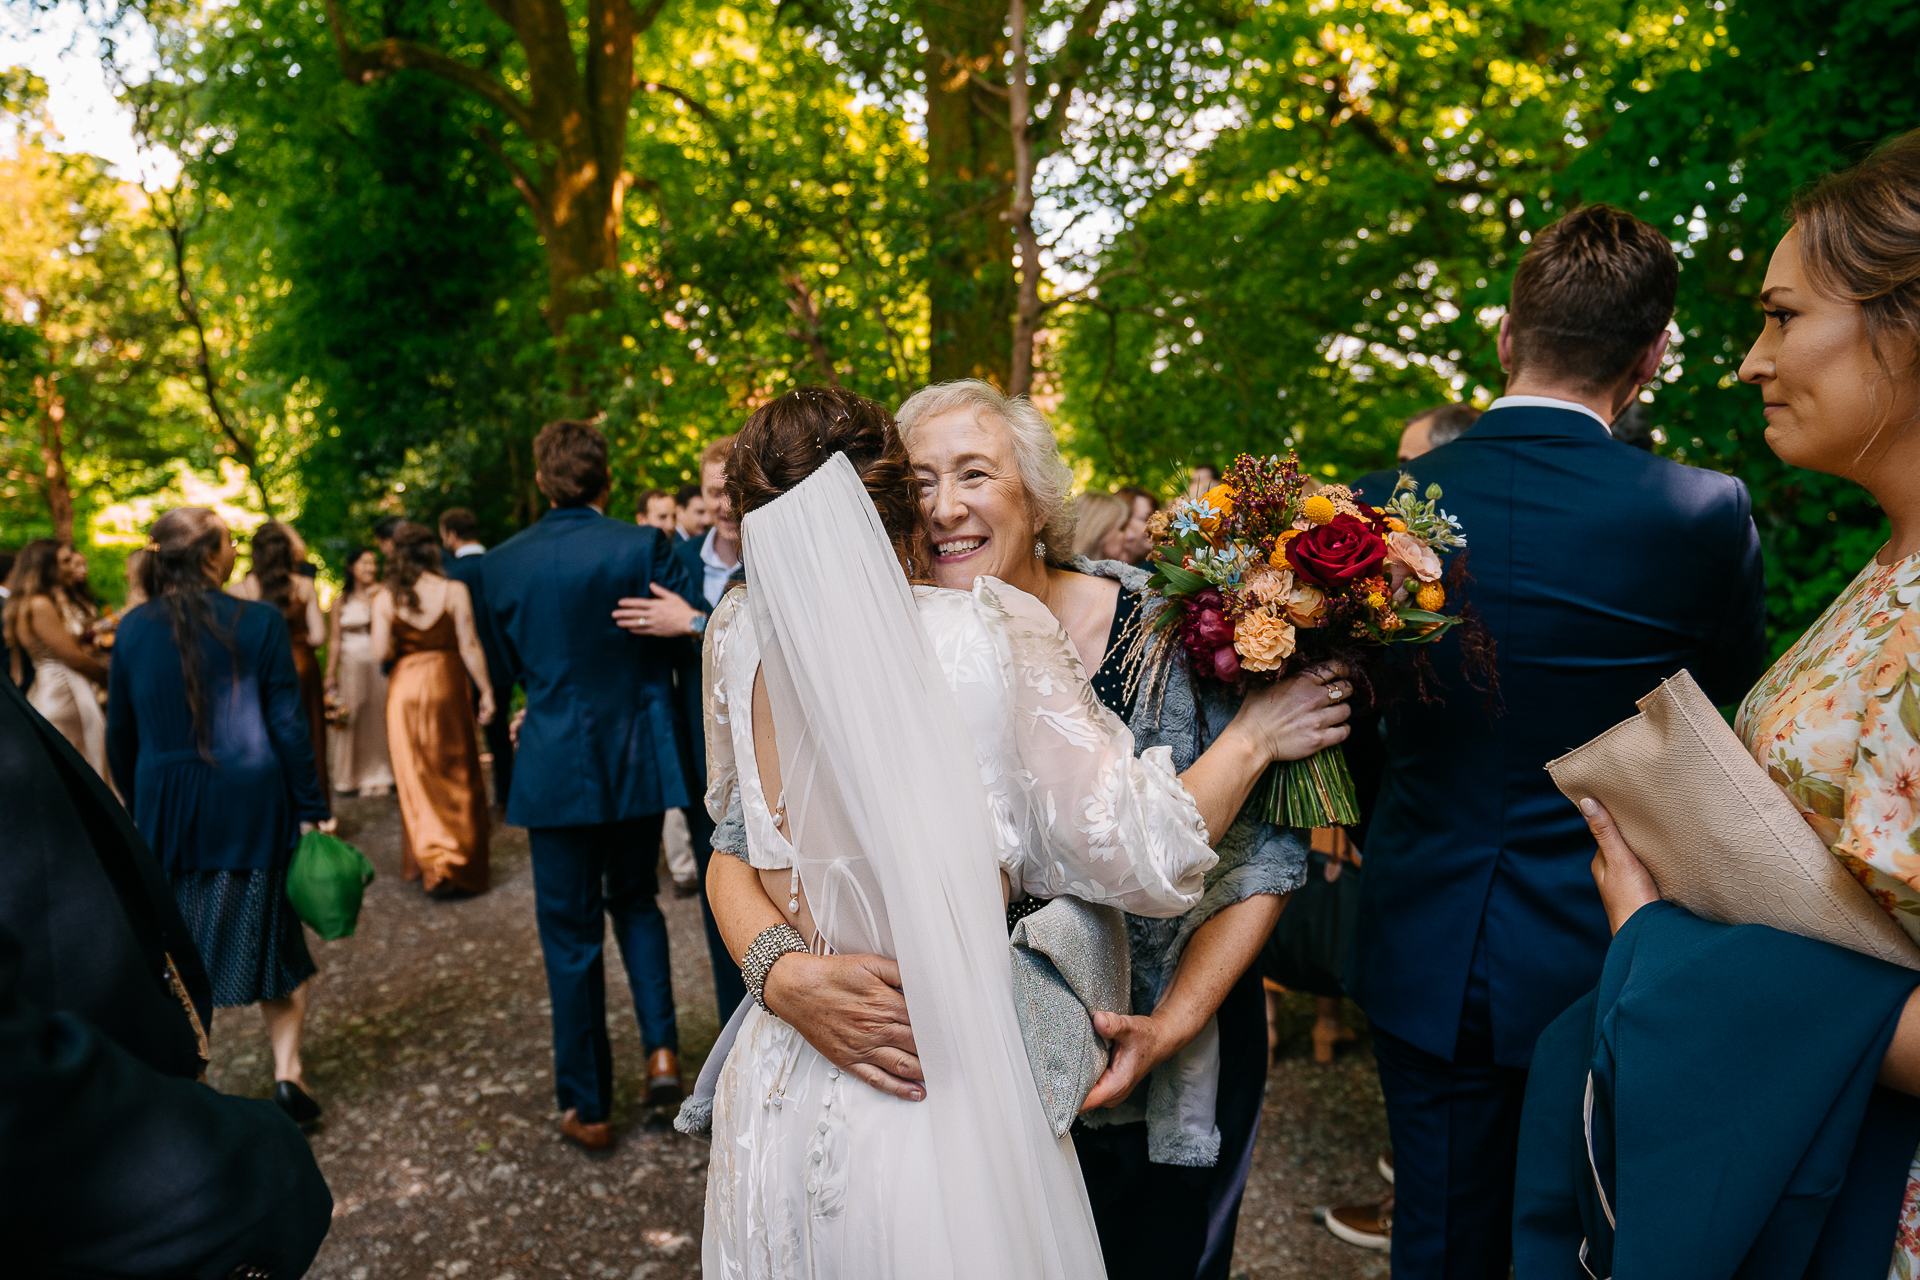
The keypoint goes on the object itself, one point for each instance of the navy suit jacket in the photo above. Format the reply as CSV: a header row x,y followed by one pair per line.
x,y
692,695
1600,571
471,571
598,742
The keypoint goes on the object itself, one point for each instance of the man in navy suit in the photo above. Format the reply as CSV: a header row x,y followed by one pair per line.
x,y
460,559
1599,570
598,766
713,563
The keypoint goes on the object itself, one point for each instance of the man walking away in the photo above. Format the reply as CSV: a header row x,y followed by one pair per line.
x,y
598,765
1600,570
460,558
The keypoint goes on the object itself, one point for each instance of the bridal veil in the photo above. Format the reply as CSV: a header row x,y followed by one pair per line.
x,y
893,844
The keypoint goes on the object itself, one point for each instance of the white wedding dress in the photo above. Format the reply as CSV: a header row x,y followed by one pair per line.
x,y
1005,759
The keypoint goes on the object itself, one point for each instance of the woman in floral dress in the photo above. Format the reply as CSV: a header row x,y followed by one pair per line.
x,y
1836,721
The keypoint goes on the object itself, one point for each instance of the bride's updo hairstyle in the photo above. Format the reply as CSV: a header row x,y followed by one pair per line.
x,y
1860,243
789,438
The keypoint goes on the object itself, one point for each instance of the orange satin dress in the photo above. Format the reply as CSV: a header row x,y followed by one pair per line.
x,y
435,744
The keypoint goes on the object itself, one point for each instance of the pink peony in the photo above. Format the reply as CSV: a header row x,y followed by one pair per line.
x,y
1416,555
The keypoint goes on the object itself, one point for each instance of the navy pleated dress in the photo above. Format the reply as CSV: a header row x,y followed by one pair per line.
x,y
225,819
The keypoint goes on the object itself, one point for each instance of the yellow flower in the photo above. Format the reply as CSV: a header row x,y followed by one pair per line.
x,y
1396,525
1431,596
1279,557
1319,509
1375,600
1220,497
1263,641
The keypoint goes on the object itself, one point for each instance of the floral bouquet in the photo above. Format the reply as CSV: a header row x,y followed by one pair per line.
x,y
1268,572
338,714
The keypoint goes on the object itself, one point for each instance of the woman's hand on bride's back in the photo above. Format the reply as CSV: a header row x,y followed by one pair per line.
x,y
1291,719
851,1009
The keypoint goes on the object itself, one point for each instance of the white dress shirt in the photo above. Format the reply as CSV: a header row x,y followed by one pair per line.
x,y
471,549
1549,402
717,571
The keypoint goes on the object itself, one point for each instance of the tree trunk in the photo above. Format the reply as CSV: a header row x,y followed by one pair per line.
x,y
574,113
1026,311
969,183
53,457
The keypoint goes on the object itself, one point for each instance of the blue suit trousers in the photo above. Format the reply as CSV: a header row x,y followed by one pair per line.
x,y
1456,1141
581,876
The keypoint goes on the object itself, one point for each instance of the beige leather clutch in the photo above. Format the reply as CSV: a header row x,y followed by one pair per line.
x,y
1720,838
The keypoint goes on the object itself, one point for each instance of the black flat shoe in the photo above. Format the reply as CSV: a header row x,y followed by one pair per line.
x,y
294,1100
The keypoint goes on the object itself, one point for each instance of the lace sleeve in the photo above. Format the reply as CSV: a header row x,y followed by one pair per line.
x,y
723,771
1105,826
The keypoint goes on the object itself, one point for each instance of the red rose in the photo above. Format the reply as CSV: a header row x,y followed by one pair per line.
x,y
1337,553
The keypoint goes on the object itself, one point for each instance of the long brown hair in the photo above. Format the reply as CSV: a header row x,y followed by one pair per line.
x,y
272,552
36,572
178,576
1860,241
787,439
415,551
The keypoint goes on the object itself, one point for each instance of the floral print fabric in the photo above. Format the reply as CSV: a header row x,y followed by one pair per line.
x,y
1836,723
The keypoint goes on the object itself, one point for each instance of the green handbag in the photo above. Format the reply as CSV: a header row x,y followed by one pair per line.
x,y
325,884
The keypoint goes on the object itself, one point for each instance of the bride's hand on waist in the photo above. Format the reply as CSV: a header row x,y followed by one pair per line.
x,y
1625,884
851,1009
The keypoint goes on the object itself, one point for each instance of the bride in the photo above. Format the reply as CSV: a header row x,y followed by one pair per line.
x,y
904,756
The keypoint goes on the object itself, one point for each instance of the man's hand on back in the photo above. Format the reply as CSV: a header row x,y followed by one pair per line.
x,y
666,616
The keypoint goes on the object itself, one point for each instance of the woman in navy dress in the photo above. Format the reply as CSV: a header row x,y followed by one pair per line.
x,y
210,747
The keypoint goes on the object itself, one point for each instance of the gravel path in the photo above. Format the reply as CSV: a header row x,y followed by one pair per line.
x,y
428,1046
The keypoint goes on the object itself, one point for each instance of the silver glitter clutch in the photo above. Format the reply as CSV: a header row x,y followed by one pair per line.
x,y
1069,957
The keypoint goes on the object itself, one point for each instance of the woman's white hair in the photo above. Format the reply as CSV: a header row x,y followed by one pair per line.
x,y
1044,474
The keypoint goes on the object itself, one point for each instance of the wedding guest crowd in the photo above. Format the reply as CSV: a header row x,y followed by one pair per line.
x,y
163,763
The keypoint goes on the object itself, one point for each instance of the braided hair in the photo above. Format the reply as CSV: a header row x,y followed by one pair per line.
x,y
789,438
177,576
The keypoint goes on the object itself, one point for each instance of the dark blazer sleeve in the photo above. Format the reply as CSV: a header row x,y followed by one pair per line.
x,y
1739,652
671,571
286,714
86,899
123,727
108,1167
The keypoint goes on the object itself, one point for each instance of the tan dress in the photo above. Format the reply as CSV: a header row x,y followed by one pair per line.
x,y
357,754
69,701
1836,723
435,744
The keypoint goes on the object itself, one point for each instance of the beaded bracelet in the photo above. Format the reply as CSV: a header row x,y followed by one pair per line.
x,y
768,945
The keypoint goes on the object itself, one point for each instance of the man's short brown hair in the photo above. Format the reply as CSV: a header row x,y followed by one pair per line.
x,y
1446,422
718,453
572,458
1594,291
461,523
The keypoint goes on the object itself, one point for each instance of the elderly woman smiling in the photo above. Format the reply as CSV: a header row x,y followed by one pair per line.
x,y
1165,1171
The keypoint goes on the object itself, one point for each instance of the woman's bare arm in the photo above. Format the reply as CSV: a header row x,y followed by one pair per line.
x,y
1287,720
382,631
45,620
316,621
334,634
460,602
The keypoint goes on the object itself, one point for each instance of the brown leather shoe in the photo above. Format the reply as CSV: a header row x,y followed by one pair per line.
x,y
1370,1226
663,1077
595,1136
